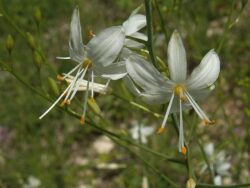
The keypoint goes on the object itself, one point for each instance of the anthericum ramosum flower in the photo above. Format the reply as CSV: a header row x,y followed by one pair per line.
x,y
180,91
100,57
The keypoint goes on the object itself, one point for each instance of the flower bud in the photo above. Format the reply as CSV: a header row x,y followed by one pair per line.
x,y
9,43
37,15
31,41
190,183
53,86
37,59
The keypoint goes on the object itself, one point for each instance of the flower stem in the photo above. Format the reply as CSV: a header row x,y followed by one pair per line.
x,y
222,186
148,8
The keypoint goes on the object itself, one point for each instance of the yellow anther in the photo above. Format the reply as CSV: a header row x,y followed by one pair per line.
x,y
90,34
184,150
82,120
179,91
160,130
86,63
63,103
59,77
68,102
208,122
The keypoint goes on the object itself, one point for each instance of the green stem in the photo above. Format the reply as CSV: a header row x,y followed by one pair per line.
x,y
148,8
162,23
222,186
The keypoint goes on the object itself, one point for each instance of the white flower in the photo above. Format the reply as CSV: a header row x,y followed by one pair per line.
x,y
33,182
218,163
180,91
99,57
141,132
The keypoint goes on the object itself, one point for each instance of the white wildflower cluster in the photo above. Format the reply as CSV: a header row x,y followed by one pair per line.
x,y
111,54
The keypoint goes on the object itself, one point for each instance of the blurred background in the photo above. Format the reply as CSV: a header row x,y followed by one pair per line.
x,y
58,152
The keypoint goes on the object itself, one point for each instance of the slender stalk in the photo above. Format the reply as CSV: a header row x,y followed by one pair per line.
x,y
148,8
222,186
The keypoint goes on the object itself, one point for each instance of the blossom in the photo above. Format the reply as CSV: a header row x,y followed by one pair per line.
x,y
218,163
100,57
140,131
180,91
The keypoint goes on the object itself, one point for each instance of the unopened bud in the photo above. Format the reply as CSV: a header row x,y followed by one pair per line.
x,y
37,15
53,86
37,59
9,43
190,183
31,41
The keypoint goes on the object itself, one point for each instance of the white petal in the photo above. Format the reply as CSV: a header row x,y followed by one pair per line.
x,y
134,23
131,86
209,149
217,180
223,168
206,73
201,94
140,36
76,47
105,47
133,44
146,76
155,98
177,61
114,71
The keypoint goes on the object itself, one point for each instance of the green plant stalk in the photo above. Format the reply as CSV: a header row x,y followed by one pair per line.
x,y
222,186
148,8
162,23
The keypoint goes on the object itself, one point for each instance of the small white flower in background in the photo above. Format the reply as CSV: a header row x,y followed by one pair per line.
x,y
140,131
180,91
145,183
100,57
32,182
218,163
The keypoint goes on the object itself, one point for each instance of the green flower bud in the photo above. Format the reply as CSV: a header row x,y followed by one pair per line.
x,y
9,43
53,86
31,41
37,15
37,59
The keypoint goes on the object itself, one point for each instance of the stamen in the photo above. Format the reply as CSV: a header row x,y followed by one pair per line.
x,y
63,103
90,34
57,100
184,150
208,122
166,115
59,77
82,120
70,72
181,133
197,108
85,101
160,130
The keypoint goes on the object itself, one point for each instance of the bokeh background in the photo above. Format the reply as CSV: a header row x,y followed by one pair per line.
x,y
58,152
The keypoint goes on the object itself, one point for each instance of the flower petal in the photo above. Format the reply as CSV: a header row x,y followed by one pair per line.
x,y
104,48
133,44
140,36
146,76
76,47
134,23
114,71
177,61
155,98
201,94
206,73
131,86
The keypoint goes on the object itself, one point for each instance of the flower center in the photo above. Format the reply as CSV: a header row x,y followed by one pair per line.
x,y
179,91
86,63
